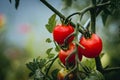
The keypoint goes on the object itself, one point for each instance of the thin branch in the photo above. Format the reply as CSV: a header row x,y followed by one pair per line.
x,y
67,39
99,6
103,4
53,9
93,29
70,72
51,60
57,12
51,64
68,57
83,11
98,64
111,69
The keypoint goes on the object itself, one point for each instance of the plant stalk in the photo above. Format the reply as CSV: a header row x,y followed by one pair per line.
x,y
51,64
93,29
53,9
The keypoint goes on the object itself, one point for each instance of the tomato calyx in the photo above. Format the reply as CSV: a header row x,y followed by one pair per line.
x,y
87,34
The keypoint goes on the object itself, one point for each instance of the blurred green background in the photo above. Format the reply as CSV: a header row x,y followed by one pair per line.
x,y
23,34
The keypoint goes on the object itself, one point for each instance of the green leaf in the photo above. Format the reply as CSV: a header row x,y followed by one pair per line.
x,y
17,3
51,23
115,9
51,55
48,40
31,74
57,49
49,50
39,75
30,66
42,63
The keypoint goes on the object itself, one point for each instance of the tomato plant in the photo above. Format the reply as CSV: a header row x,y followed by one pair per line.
x,y
89,45
93,46
63,54
61,32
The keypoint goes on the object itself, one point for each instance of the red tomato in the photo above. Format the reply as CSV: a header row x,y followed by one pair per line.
x,y
60,33
64,53
92,45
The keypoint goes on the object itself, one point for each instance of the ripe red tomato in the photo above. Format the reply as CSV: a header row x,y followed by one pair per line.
x,y
93,46
64,53
60,33
62,73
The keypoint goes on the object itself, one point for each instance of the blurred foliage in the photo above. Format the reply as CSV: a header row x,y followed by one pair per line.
x,y
113,10
12,57
4,61
40,67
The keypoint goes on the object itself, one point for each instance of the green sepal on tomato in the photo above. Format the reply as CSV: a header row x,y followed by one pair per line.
x,y
63,54
61,32
92,46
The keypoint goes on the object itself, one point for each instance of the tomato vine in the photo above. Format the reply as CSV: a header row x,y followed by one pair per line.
x,y
40,67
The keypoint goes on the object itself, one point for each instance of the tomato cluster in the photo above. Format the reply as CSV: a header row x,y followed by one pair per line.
x,y
60,33
92,44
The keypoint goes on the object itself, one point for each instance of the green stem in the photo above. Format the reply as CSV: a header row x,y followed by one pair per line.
x,y
93,29
65,46
51,64
59,14
53,9
93,20
98,64
111,69
67,59
100,7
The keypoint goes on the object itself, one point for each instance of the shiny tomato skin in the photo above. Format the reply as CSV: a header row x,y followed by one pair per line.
x,y
60,32
92,45
64,53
